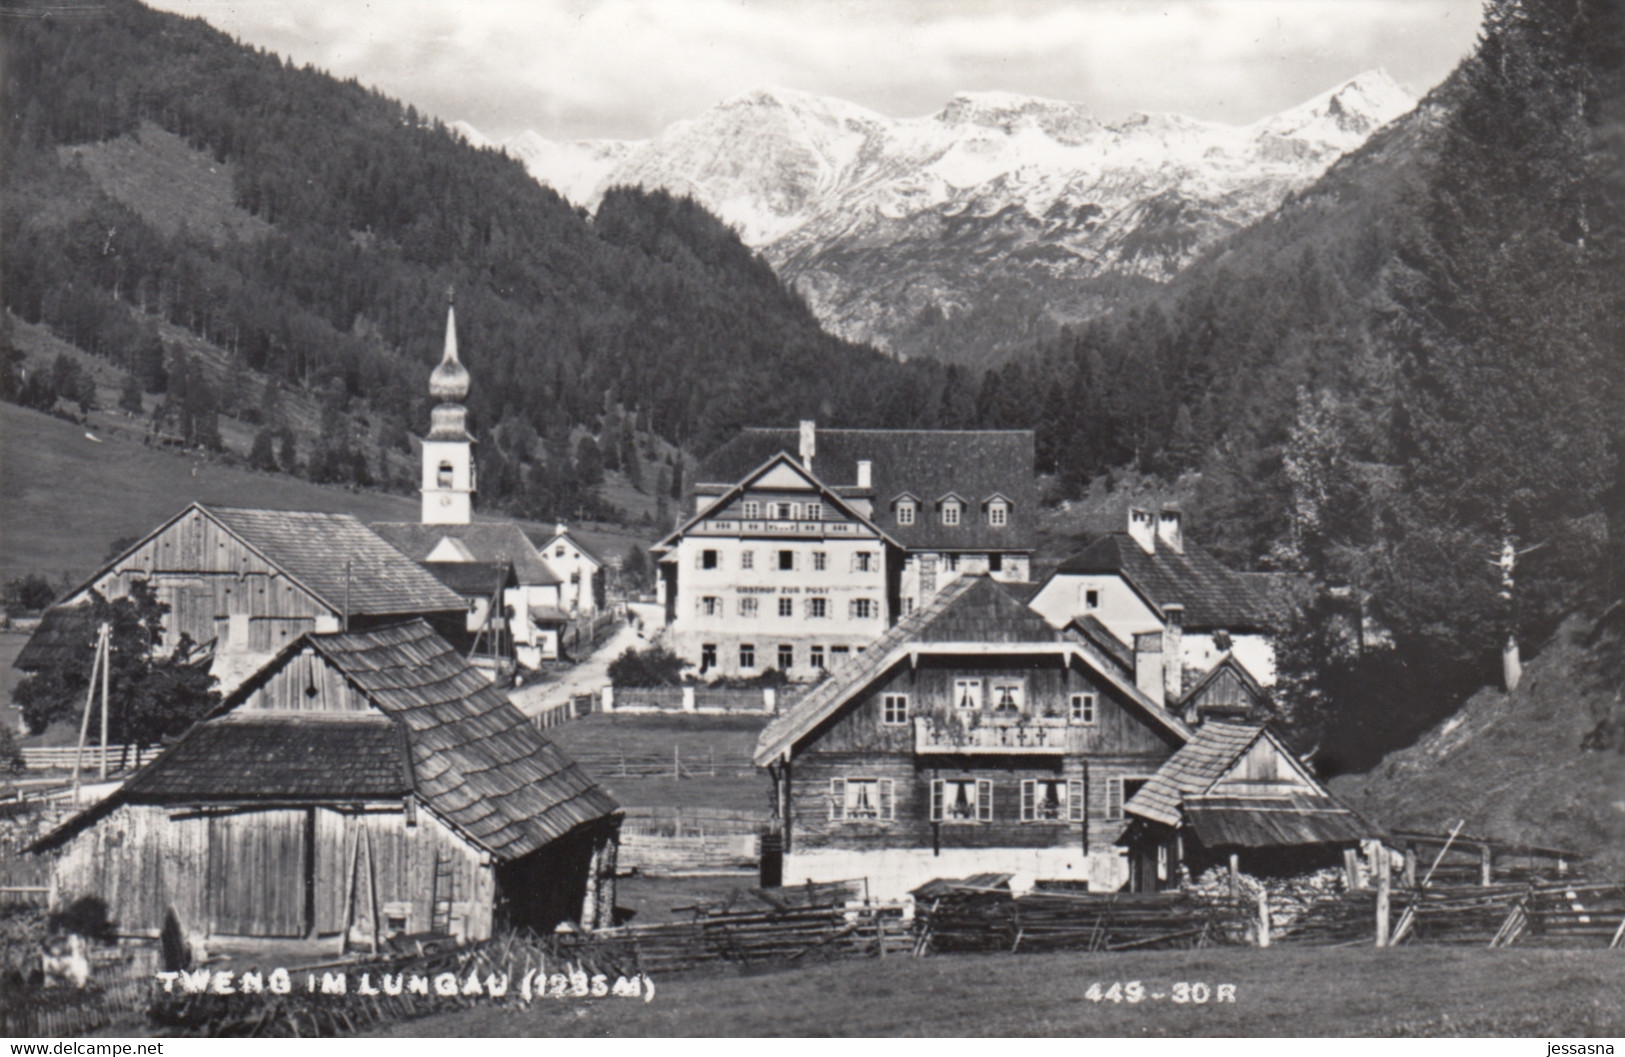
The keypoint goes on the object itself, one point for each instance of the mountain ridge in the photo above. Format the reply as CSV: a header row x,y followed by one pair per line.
x,y
898,230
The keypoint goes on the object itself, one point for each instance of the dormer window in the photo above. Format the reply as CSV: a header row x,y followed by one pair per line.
x,y
905,512
998,513
950,512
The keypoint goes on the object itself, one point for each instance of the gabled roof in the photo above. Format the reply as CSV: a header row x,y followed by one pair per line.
x,y
1227,662
728,496
479,763
1195,768
469,756
574,541
1213,596
485,541
920,462
64,636
333,556
970,611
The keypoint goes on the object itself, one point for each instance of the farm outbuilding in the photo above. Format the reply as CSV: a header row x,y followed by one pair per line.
x,y
245,583
364,784
1236,793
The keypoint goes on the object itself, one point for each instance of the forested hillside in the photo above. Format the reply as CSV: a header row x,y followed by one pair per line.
x,y
1406,385
350,217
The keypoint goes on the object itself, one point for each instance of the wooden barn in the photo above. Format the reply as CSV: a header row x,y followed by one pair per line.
x,y
1236,794
361,784
971,737
246,583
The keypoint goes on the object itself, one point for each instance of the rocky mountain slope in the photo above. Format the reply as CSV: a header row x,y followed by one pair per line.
x,y
967,233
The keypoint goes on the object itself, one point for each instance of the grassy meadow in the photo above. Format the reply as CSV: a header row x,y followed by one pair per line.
x,y
1421,991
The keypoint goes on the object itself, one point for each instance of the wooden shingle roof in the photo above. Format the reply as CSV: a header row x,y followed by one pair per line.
x,y
442,732
1192,770
314,547
64,637
280,756
1213,596
478,762
926,463
487,541
1274,821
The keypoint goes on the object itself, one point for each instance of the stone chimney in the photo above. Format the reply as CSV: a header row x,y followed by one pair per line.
x,y
1170,532
1148,664
865,473
1142,527
809,443
560,529
1173,641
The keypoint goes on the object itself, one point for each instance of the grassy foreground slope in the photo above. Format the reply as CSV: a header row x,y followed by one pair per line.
x,y
1279,992
1513,764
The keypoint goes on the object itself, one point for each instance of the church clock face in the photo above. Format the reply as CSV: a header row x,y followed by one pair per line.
x,y
445,500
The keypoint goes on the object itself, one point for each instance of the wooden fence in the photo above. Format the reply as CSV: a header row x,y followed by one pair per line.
x,y
677,763
706,700
581,637
60,757
674,840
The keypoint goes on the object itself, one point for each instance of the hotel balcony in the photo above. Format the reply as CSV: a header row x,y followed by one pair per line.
x,y
1030,736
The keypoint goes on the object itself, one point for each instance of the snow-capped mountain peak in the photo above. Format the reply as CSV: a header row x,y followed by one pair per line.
x,y
883,223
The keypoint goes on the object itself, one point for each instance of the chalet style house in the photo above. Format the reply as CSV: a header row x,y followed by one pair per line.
x,y
361,784
246,583
806,545
552,585
1151,579
973,737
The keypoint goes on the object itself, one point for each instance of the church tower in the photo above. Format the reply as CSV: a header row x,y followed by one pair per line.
x,y
448,450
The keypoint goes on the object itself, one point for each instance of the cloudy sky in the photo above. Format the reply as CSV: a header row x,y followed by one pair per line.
x,y
626,68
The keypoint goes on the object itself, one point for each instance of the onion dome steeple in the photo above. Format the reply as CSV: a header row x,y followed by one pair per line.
x,y
449,384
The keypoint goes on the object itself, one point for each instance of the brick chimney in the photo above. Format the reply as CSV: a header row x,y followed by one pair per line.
x,y
1173,641
1142,527
1148,664
809,443
1169,530
865,474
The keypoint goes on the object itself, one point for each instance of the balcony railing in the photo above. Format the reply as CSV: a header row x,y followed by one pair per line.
x,y
1030,736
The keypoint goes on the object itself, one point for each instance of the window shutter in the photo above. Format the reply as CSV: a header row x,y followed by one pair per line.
x,y
984,800
888,802
936,800
699,559
1074,801
852,609
837,799
1028,794
1114,798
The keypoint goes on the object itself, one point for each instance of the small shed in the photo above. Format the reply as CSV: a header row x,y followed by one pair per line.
x,y
1235,789
362,784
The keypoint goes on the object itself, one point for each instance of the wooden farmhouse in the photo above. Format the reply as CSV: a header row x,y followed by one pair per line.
x,y
1235,794
360,785
971,738
246,583
975,738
